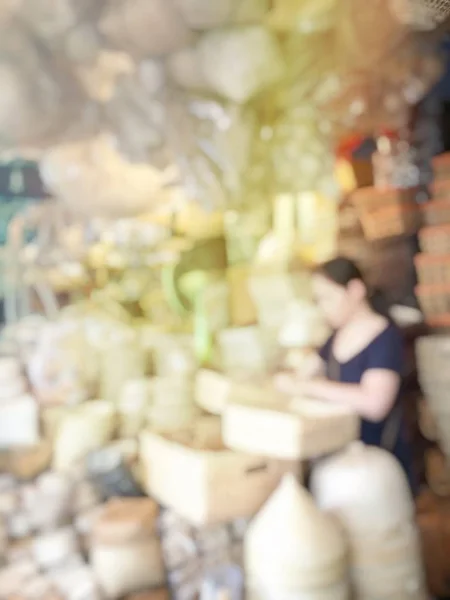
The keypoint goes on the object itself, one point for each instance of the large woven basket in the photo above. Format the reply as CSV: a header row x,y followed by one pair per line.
x,y
386,213
391,221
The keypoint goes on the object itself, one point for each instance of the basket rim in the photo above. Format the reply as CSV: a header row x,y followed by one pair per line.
x,y
429,229
423,257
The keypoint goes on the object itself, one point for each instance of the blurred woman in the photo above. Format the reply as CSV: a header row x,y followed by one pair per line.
x,y
362,362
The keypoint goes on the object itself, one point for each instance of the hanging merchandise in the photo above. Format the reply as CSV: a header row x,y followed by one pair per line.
x,y
305,17
294,550
144,30
208,14
93,179
367,34
366,490
43,98
136,111
212,144
253,49
52,20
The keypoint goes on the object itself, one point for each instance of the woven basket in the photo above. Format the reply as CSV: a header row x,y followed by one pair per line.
x,y
435,239
386,213
441,166
436,212
433,269
367,198
434,300
391,221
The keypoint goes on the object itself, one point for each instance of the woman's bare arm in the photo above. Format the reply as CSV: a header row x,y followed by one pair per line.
x,y
372,399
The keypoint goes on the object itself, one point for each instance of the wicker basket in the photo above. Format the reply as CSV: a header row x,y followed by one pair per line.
x,y
206,486
368,198
435,239
441,166
433,269
434,300
436,212
391,221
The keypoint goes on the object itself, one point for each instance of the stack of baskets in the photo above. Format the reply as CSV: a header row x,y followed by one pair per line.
x,y
433,263
387,212
433,359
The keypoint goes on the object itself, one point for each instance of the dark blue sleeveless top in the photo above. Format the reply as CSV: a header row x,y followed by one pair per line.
x,y
383,352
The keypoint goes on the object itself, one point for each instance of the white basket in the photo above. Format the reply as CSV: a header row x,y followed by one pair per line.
x,y
306,429
206,487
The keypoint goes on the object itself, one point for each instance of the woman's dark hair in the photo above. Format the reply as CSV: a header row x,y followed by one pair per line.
x,y
342,270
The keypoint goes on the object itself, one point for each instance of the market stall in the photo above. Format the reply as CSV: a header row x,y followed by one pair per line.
x,y
203,157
